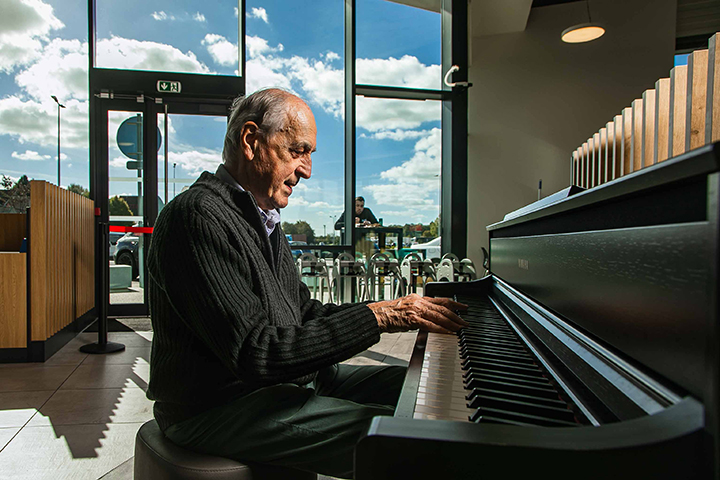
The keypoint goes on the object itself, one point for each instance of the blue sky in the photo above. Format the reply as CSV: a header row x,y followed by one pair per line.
x,y
294,45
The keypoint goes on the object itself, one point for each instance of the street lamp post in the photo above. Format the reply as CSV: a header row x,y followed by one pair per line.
x,y
60,105
174,165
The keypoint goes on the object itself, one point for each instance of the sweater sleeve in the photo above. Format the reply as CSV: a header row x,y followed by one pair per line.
x,y
211,285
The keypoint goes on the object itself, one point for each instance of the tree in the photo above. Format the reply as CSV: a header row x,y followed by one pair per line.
x,y
435,227
301,227
118,206
79,189
16,197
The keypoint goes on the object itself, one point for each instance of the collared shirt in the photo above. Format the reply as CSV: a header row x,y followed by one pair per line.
x,y
270,218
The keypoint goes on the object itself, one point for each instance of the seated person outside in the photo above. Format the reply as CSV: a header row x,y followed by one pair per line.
x,y
363,216
245,365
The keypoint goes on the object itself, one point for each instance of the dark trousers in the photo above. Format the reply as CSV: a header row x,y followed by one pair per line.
x,y
311,428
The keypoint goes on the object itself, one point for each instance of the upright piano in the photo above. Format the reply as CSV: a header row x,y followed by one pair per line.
x,y
592,350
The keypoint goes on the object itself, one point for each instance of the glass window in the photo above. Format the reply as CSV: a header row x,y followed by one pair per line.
x,y
44,53
194,146
311,65
398,171
193,36
398,45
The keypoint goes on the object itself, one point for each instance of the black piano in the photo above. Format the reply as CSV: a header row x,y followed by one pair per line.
x,y
592,350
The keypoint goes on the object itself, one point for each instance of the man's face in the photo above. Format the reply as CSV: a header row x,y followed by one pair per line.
x,y
284,158
359,207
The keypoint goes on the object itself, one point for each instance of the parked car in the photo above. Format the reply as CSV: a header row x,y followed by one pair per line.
x,y
296,252
114,237
126,253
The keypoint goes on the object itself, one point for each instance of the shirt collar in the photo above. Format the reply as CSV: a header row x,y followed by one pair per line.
x,y
270,218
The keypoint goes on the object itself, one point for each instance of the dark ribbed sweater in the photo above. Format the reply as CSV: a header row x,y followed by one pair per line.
x,y
229,312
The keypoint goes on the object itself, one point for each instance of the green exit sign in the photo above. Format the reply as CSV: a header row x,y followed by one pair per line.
x,y
167,86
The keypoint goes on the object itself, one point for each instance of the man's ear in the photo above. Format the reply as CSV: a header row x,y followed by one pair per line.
x,y
249,138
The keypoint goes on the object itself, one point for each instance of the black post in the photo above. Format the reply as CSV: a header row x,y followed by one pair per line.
x,y
102,345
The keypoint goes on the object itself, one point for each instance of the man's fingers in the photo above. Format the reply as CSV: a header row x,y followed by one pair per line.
x,y
447,312
448,303
442,320
428,326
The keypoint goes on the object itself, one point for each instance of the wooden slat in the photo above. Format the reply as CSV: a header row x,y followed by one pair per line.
x,y
596,158
39,291
678,109
712,113
13,300
610,149
602,155
574,159
627,140
586,165
648,139
696,99
593,167
637,134
12,231
662,119
619,164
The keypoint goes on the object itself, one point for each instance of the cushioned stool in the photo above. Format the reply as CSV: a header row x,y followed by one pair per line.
x,y
157,458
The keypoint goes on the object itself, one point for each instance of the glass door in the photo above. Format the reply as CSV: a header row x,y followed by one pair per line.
x,y
148,153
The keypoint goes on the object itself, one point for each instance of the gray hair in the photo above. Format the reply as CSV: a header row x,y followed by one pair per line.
x,y
266,108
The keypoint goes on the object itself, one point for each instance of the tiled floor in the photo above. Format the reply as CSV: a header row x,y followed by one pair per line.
x,y
76,415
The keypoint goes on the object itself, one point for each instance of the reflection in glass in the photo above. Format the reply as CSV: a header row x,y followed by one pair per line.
x,y
398,45
194,146
189,37
127,275
398,173
312,68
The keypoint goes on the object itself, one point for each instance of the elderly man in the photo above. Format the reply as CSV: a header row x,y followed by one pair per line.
x,y
244,362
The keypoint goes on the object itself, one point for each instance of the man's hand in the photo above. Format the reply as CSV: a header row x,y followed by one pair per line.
x,y
413,312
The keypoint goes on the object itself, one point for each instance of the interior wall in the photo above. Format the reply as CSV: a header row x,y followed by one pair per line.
x,y
535,99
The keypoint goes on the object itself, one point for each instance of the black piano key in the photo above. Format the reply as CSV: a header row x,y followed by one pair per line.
x,y
529,408
514,359
548,402
496,350
529,419
476,381
479,384
533,371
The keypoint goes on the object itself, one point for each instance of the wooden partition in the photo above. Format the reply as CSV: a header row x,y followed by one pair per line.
x,y
62,258
13,228
681,113
13,300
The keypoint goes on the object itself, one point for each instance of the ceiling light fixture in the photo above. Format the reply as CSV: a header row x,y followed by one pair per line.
x,y
583,32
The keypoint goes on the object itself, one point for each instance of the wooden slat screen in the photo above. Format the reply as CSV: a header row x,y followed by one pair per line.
x,y
62,258
681,113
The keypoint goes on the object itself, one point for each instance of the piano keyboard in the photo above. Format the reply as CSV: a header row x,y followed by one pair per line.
x,y
486,374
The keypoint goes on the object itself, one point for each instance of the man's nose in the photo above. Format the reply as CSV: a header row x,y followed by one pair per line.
x,y
304,170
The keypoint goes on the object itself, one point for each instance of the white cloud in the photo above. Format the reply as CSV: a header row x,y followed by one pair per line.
x,y
160,16
397,135
195,162
221,50
236,12
260,13
23,24
375,114
118,52
30,155
199,17
30,121
330,56
323,85
406,71
258,46
60,71
415,183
